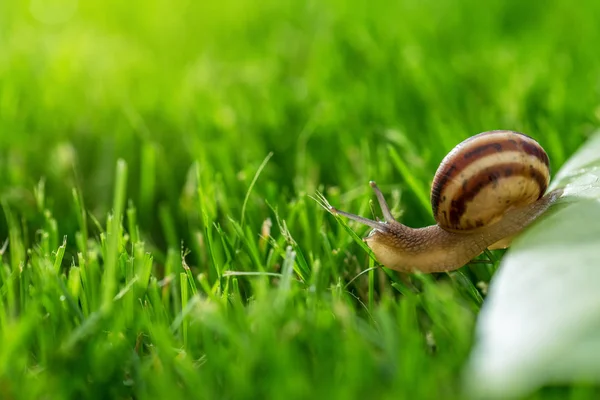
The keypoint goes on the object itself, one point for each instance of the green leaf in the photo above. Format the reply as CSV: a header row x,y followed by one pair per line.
x,y
539,324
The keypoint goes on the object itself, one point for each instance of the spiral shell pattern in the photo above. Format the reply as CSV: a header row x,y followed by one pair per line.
x,y
487,175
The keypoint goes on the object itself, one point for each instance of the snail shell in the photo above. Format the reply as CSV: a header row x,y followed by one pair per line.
x,y
487,175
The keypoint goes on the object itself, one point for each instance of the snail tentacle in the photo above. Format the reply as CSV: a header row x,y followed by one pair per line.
x,y
365,221
385,209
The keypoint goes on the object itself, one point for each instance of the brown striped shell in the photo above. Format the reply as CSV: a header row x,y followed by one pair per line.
x,y
486,175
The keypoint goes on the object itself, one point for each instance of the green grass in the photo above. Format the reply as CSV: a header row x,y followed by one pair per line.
x,y
157,161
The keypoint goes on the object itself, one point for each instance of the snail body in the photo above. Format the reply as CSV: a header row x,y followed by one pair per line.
x,y
486,190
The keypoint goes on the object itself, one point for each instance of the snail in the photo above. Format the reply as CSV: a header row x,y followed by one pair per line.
x,y
485,191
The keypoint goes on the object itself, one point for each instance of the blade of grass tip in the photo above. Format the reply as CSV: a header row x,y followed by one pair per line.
x,y
132,224
127,293
96,222
44,242
155,310
87,295
256,175
95,283
224,288
315,274
296,213
215,272
168,225
184,302
236,288
25,235
286,279
188,272
271,262
142,266
171,272
109,280
303,217
399,287
247,241
415,186
24,287
303,269
253,242
73,305
17,251
82,219
326,244
39,193
125,265
51,229
74,282
236,299
60,253
198,246
228,246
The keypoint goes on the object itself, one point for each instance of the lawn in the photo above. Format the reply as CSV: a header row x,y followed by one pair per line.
x,y
159,163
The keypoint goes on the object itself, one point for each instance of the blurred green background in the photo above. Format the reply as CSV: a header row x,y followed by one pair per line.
x,y
325,85
195,95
